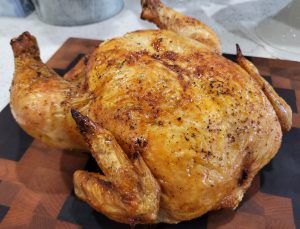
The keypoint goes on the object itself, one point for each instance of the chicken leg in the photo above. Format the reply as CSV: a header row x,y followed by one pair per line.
x,y
128,192
167,18
41,100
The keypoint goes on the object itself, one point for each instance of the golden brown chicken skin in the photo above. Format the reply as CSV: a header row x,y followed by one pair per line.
x,y
177,129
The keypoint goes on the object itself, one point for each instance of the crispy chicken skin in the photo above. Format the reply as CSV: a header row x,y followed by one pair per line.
x,y
177,129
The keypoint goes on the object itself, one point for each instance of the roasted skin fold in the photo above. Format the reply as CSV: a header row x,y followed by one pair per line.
x,y
177,129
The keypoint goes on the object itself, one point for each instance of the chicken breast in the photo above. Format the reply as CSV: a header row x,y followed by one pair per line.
x,y
177,129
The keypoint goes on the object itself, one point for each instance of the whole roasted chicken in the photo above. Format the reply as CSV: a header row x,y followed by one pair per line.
x,y
177,129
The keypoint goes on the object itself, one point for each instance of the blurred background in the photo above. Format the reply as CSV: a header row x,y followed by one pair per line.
x,y
264,28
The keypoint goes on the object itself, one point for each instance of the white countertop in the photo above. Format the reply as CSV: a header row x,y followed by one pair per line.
x,y
233,20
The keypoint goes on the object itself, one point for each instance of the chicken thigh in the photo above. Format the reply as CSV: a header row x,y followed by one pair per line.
x,y
177,129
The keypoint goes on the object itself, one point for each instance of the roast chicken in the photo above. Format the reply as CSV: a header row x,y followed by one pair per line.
x,y
177,129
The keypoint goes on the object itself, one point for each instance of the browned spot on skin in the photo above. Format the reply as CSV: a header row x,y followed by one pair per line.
x,y
246,167
174,67
141,142
125,113
156,56
183,83
125,116
85,85
127,198
133,57
152,100
180,77
139,145
219,87
106,184
135,156
207,154
111,62
198,73
231,138
160,123
156,44
195,56
170,55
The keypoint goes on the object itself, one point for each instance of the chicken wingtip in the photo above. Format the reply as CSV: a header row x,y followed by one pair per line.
x,y
239,54
84,124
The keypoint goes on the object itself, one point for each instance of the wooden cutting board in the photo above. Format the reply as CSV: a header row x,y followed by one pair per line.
x,y
36,180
